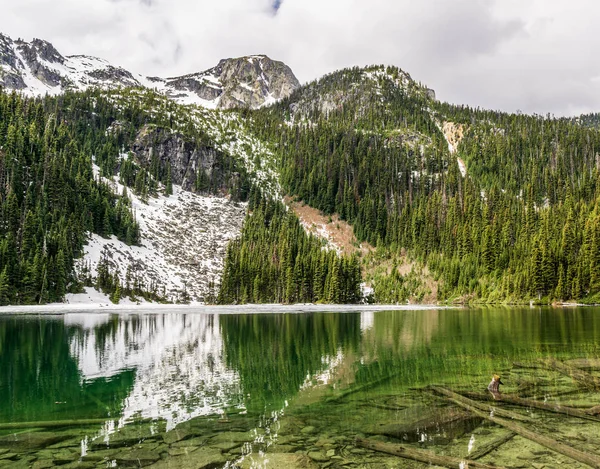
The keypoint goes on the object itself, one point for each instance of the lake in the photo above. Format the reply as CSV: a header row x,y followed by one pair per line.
x,y
295,390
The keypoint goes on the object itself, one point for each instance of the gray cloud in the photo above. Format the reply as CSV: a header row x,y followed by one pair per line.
x,y
276,5
537,56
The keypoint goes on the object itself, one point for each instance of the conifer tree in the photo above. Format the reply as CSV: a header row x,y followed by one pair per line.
x,y
169,183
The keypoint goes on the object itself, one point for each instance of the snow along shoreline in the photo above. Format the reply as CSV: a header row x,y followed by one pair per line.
x,y
156,308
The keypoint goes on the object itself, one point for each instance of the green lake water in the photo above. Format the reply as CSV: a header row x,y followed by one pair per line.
x,y
289,390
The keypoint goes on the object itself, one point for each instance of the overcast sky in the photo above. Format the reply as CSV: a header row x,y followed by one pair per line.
x,y
534,55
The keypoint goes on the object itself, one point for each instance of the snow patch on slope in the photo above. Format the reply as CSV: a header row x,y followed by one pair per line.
x,y
91,296
461,166
183,242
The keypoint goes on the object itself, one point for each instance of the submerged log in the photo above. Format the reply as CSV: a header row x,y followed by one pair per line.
x,y
528,366
532,403
594,410
52,424
383,406
483,407
582,377
588,363
491,446
426,457
454,423
586,458
358,389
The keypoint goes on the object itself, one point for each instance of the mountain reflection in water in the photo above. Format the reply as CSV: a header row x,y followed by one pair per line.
x,y
178,366
180,371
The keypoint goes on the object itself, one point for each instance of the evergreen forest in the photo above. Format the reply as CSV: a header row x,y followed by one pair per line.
x,y
495,207
523,223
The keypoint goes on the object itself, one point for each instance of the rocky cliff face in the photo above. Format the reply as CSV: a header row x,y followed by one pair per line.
x,y
242,82
188,160
37,68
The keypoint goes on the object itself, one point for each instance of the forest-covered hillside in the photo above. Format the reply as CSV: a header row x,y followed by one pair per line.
x,y
521,223
62,160
485,206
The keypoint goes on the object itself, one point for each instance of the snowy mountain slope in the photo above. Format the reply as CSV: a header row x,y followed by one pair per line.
x,y
183,243
228,131
183,236
363,88
36,68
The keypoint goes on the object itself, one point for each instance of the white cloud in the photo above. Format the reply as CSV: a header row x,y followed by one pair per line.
x,y
537,55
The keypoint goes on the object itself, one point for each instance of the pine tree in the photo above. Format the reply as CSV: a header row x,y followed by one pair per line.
x,y
106,224
169,183
115,296
5,296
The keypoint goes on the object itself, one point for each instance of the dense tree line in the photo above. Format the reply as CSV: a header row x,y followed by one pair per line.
x,y
275,260
366,144
49,200
522,224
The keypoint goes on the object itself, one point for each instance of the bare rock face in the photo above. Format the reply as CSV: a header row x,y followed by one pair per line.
x,y
115,75
251,81
9,76
186,158
204,89
37,55
254,81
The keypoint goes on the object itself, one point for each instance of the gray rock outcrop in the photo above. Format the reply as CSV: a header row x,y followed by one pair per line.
x,y
250,81
186,158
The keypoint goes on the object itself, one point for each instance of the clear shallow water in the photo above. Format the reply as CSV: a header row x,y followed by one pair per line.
x,y
282,390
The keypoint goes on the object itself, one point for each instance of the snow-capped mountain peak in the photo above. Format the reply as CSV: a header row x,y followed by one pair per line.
x,y
36,68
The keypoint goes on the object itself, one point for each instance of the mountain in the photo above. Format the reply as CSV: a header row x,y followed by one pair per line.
x,y
361,176
457,204
252,81
36,68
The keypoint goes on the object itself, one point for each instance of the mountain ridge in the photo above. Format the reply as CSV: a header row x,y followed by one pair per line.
x,y
459,204
37,68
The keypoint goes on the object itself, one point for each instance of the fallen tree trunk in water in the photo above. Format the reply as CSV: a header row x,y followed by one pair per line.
x,y
52,424
588,363
580,376
519,401
358,389
527,366
383,406
586,458
426,457
491,446
484,407
594,410
449,421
